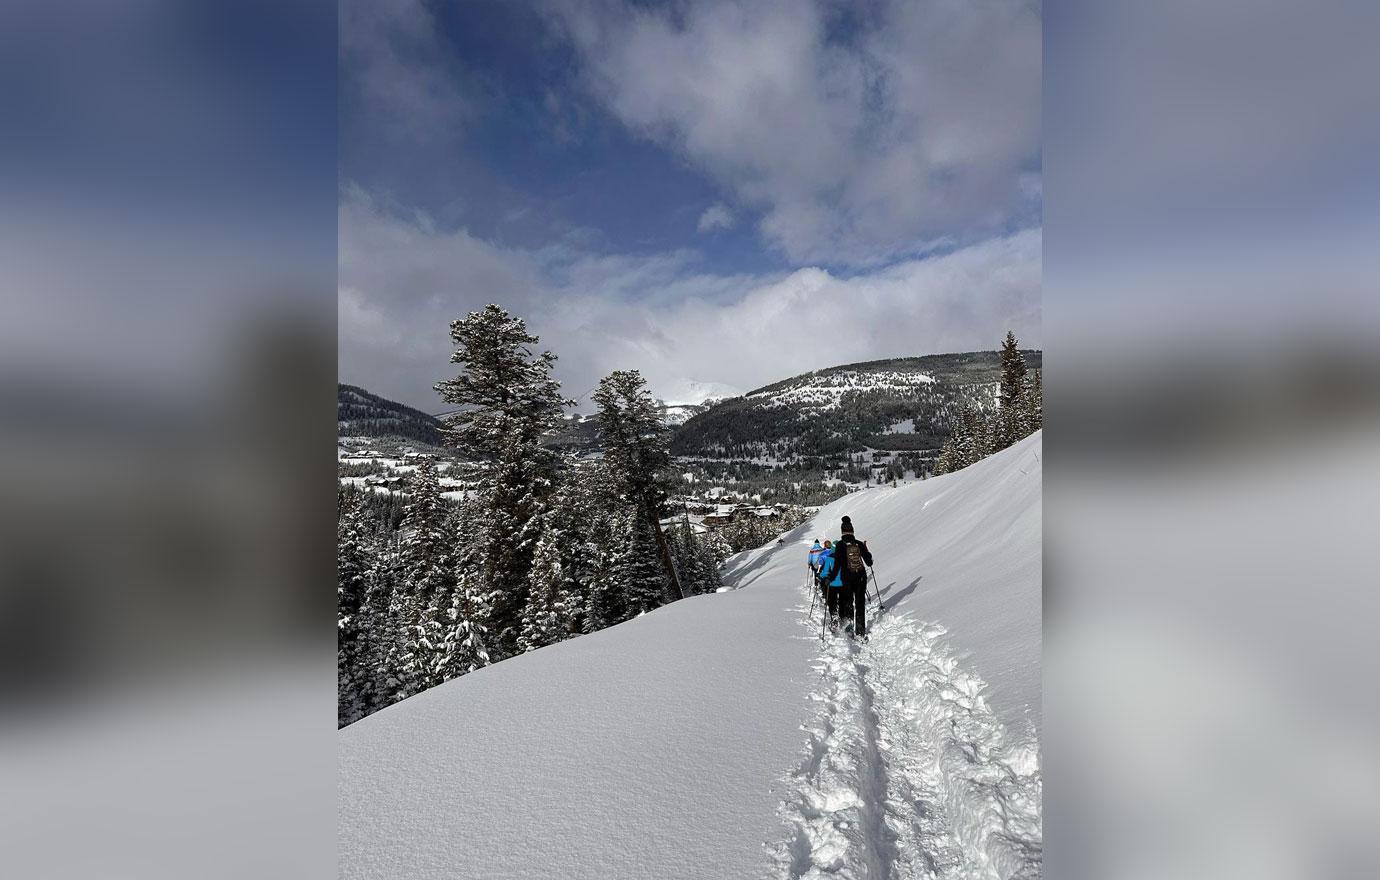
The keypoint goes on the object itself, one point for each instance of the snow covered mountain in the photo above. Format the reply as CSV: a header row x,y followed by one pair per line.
x,y
689,397
722,737
896,404
692,392
680,413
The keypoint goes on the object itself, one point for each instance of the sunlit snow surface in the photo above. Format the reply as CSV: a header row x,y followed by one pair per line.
x,y
720,737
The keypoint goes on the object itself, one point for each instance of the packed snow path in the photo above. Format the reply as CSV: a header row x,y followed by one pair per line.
x,y
906,773
719,738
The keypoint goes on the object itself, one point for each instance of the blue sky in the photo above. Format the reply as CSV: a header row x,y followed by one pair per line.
x,y
689,189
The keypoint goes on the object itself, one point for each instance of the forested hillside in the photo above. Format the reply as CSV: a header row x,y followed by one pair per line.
x,y
361,413
896,404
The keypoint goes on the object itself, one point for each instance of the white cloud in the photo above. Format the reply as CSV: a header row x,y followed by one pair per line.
x,y
402,282
391,53
716,217
921,124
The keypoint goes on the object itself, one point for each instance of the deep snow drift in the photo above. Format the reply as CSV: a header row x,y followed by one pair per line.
x,y
720,737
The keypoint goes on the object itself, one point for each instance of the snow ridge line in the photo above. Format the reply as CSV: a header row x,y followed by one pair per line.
x,y
907,773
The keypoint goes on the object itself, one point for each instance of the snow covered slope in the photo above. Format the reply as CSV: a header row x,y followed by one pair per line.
x,y
720,737
963,551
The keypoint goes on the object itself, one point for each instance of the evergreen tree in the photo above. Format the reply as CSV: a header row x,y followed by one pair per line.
x,y
405,633
970,439
427,579
579,525
640,572
608,596
1034,403
1007,425
447,639
427,544
462,647
394,610
981,431
717,550
354,678
945,462
422,583
706,563
418,651
682,552
963,442
704,571
547,618
637,448
695,560
510,404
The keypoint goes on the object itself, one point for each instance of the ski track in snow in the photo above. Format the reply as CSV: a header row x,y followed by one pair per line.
x,y
906,773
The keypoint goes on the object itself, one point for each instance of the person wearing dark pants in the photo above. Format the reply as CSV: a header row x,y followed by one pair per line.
x,y
831,582
851,559
852,610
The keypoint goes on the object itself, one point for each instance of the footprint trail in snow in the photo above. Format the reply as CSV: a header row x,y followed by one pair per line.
x,y
907,774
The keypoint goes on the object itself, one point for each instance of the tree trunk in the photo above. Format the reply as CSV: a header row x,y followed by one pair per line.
x,y
667,561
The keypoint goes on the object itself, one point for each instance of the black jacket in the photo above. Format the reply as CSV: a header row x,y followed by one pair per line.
x,y
841,556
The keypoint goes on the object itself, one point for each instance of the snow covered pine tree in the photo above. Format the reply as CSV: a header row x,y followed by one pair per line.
x,y
424,591
510,403
549,613
637,448
354,681
1009,424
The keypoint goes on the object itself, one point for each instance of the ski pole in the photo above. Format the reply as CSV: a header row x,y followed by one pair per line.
x,y
876,585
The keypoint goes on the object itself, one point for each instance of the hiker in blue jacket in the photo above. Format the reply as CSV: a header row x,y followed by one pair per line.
x,y
831,582
812,561
819,566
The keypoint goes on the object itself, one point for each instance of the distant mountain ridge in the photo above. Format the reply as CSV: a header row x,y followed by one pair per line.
x,y
361,413
679,413
894,404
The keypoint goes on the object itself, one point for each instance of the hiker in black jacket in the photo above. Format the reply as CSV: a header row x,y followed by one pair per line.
x,y
852,558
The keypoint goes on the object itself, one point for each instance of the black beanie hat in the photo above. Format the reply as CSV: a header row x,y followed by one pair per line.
x,y
847,527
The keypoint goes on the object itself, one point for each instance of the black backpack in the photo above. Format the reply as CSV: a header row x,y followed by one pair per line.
x,y
853,558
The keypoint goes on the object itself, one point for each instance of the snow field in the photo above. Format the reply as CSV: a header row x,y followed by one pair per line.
x,y
717,737
652,749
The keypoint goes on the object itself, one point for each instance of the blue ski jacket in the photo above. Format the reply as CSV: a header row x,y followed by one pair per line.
x,y
815,552
829,573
